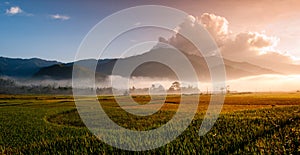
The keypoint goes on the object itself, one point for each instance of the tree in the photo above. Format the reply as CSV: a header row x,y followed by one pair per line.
x,y
175,86
125,93
222,90
227,89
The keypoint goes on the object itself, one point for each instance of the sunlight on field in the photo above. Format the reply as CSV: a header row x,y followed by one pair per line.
x,y
51,124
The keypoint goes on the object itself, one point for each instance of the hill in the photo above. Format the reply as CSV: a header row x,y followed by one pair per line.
x,y
153,69
16,67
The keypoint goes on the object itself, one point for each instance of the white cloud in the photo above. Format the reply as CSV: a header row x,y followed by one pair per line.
x,y
249,44
60,17
217,26
14,10
137,24
254,47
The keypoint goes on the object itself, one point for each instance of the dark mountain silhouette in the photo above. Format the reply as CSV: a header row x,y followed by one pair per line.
x,y
282,67
151,69
64,71
43,69
57,72
16,67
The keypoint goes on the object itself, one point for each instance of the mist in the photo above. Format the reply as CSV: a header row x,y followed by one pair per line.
x,y
259,83
266,83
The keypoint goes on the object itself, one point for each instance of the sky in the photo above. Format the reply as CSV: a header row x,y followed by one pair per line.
x,y
53,30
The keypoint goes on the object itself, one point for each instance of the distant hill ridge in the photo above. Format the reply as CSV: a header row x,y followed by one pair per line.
x,y
43,69
17,67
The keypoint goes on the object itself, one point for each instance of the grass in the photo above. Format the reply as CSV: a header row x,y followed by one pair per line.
x,y
249,123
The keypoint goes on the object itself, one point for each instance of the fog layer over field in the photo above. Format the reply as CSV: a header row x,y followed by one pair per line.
x,y
260,83
266,83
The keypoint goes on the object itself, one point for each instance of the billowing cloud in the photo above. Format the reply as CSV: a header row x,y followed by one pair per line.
x,y
14,10
217,26
248,45
258,40
60,17
259,49
253,47
180,42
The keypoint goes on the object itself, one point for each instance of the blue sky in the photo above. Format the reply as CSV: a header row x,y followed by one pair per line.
x,y
54,29
33,33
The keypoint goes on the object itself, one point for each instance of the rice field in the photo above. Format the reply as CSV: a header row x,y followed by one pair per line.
x,y
262,123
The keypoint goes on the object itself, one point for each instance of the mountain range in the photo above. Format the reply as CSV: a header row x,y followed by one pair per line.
x,y
44,69
23,68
